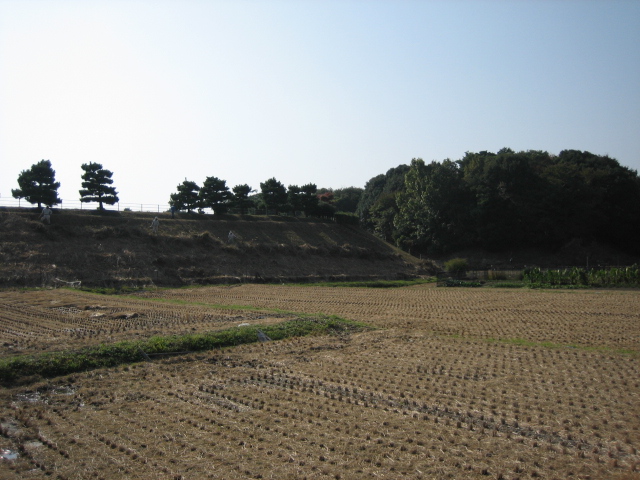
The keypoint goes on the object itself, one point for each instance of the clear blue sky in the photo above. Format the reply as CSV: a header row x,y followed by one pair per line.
x,y
331,92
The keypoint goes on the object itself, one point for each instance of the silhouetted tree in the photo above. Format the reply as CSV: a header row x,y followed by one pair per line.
x,y
294,198
186,198
309,198
38,185
96,185
274,195
215,194
241,198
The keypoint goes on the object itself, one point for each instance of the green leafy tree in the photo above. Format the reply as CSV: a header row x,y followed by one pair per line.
x,y
608,199
433,208
96,185
372,191
186,198
382,216
215,195
508,198
241,198
38,185
534,199
274,195
346,199
383,184
324,210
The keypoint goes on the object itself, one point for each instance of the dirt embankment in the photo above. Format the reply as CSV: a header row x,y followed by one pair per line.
x,y
120,248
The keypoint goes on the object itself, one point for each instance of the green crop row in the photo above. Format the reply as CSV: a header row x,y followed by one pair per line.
x,y
370,283
611,277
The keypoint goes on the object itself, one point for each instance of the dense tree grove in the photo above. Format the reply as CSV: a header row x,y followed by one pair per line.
x,y
377,206
303,199
340,199
505,200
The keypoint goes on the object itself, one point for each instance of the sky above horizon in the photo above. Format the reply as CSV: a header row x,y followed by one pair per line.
x,y
331,92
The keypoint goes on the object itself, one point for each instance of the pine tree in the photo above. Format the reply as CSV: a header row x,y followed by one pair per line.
x,y
38,185
241,198
274,195
215,194
96,186
187,196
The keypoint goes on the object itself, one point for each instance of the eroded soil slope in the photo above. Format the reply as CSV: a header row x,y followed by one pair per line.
x,y
119,248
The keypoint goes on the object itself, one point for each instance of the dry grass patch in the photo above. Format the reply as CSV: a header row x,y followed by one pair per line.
x,y
426,397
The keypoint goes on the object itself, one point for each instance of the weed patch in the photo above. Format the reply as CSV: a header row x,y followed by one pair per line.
x,y
13,369
370,284
506,285
450,282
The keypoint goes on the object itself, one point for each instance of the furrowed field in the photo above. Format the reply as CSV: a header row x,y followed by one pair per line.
x,y
451,383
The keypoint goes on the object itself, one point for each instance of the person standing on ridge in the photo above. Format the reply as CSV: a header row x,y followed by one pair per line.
x,y
46,215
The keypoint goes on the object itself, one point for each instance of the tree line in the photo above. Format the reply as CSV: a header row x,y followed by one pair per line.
x,y
505,200
495,201
273,197
37,185
216,195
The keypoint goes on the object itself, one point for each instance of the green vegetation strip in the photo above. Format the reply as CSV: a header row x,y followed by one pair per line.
x,y
611,277
53,364
359,284
368,283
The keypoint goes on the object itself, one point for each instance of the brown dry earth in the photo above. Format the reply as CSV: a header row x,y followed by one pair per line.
x,y
120,249
455,383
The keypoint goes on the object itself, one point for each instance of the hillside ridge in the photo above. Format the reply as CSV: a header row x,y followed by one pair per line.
x,y
119,248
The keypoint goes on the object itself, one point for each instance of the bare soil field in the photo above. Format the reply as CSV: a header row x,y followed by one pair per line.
x,y
454,383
